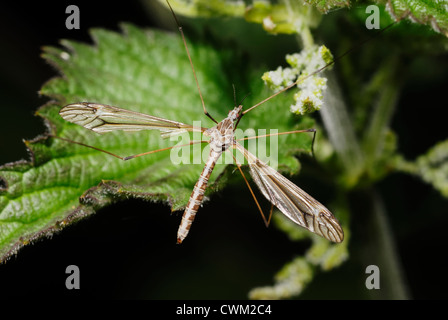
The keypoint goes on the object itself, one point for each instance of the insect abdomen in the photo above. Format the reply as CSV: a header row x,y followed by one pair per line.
x,y
196,197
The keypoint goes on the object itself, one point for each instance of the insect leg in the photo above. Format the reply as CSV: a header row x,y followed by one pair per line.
x,y
191,62
282,133
266,221
128,157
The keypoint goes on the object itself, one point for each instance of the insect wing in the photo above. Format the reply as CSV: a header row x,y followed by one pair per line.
x,y
292,201
103,118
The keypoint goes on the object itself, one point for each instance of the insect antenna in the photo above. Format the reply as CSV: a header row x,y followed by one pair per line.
x,y
247,94
234,95
242,113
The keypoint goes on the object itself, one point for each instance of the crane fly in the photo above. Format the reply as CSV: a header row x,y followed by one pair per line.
x,y
291,200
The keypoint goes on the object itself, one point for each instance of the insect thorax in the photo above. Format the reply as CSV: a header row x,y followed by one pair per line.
x,y
222,135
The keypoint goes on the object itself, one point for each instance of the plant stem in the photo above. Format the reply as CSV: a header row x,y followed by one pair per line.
x,y
384,252
340,132
373,142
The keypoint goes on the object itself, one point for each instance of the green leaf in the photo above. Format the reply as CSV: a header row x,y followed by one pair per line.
x,y
145,71
431,167
289,281
327,5
426,12
284,17
207,8
430,13
275,17
295,275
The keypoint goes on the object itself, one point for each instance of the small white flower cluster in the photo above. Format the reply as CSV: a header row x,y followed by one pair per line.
x,y
303,64
279,79
310,97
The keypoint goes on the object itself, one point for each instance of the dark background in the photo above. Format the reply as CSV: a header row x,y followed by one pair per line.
x,y
129,250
